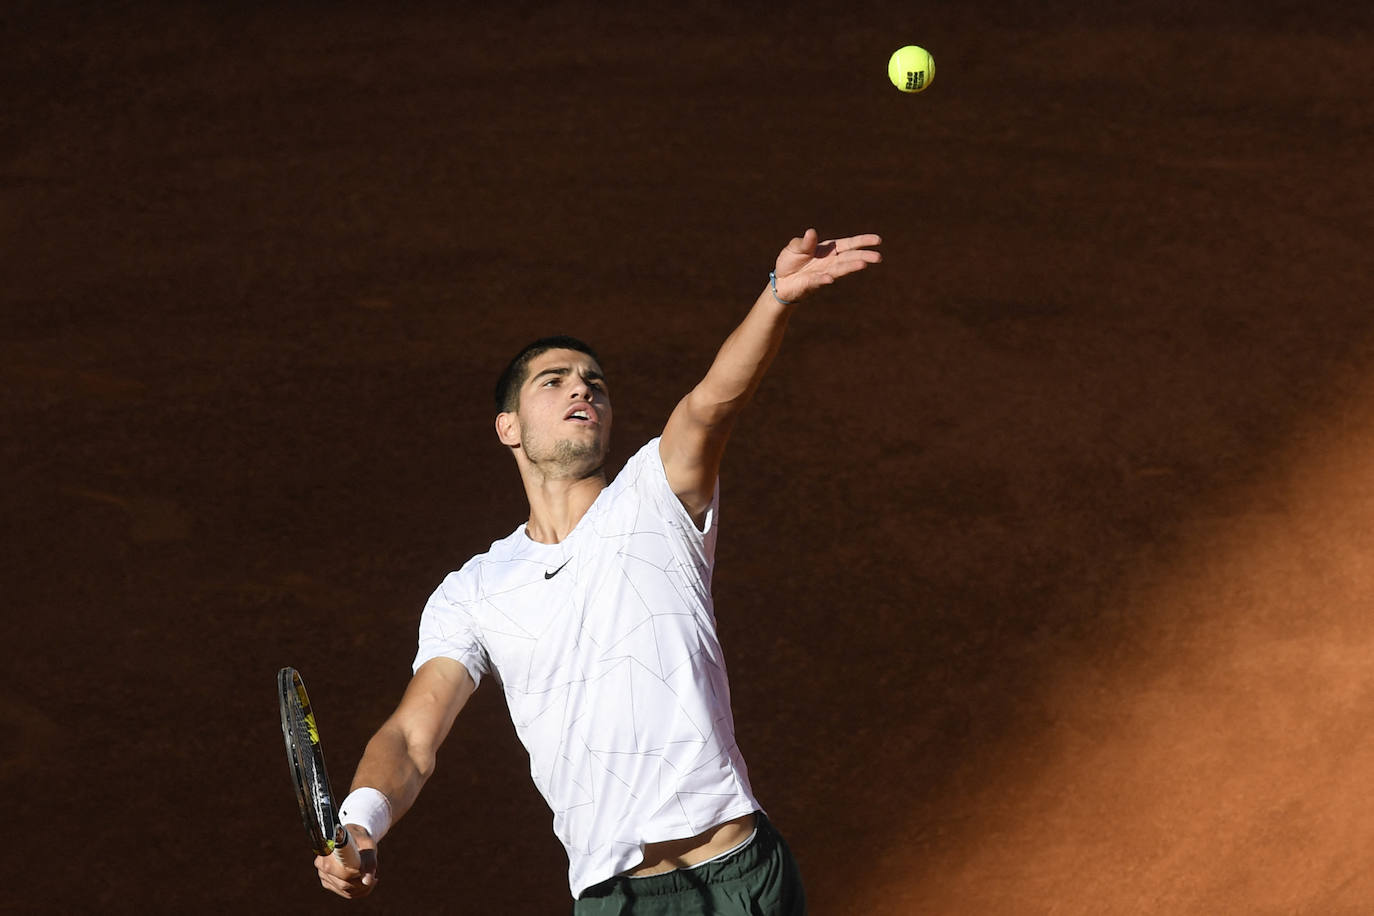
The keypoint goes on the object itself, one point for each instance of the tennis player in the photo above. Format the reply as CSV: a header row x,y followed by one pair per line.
x,y
595,616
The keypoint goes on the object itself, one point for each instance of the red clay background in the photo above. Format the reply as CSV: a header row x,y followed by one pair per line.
x,y
1044,574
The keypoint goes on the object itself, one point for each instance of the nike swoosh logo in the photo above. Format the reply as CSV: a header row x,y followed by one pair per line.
x,y
550,575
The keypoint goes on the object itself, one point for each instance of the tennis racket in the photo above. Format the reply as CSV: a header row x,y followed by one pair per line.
x,y
306,757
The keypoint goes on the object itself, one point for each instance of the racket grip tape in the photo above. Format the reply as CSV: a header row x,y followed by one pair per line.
x,y
345,848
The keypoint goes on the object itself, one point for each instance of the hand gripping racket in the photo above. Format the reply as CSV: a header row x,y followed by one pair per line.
x,y
306,757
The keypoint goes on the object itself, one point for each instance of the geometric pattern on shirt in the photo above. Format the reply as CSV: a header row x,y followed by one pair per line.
x,y
612,669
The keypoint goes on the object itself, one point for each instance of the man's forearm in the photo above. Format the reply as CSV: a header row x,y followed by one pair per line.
x,y
694,438
394,768
401,755
742,360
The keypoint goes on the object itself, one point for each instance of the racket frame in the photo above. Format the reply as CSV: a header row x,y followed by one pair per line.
x,y
301,733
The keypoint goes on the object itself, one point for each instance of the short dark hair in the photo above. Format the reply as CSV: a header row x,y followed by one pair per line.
x,y
508,385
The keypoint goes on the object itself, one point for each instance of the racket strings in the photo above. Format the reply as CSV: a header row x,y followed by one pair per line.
x,y
303,750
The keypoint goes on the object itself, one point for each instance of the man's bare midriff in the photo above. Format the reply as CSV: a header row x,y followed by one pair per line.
x,y
674,854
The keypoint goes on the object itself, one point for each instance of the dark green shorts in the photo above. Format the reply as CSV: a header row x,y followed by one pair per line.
x,y
759,880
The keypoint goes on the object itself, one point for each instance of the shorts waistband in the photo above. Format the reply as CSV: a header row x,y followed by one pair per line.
x,y
733,864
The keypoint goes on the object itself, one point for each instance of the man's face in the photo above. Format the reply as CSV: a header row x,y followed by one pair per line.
x,y
563,423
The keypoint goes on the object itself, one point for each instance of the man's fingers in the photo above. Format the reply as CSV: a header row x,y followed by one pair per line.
x,y
347,889
806,244
336,886
808,264
845,263
857,260
834,248
844,266
809,240
839,267
339,878
868,240
328,879
855,243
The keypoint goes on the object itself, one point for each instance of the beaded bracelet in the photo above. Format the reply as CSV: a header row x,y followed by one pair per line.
x,y
773,284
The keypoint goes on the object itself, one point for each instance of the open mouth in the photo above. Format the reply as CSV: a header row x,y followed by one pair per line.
x,y
581,415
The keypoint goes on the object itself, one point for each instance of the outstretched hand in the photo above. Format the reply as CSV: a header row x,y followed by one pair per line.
x,y
806,263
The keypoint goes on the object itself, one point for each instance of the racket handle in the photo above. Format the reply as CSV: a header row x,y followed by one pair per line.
x,y
345,848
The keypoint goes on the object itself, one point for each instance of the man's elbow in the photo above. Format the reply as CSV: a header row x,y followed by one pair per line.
x,y
712,409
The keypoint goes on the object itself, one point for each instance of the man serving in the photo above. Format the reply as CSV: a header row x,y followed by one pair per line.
x,y
596,617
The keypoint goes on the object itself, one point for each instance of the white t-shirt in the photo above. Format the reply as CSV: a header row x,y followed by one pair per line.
x,y
606,647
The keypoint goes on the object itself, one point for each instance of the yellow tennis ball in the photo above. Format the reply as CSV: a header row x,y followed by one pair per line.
x,y
911,69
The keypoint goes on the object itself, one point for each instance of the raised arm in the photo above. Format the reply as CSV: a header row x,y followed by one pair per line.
x,y
694,440
397,762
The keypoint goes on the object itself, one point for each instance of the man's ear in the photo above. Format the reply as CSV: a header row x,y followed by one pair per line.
x,y
508,428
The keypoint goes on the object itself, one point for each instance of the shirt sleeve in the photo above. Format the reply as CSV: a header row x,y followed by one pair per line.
x,y
447,630
653,482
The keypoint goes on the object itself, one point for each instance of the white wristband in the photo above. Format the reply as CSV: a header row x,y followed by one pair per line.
x,y
369,809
